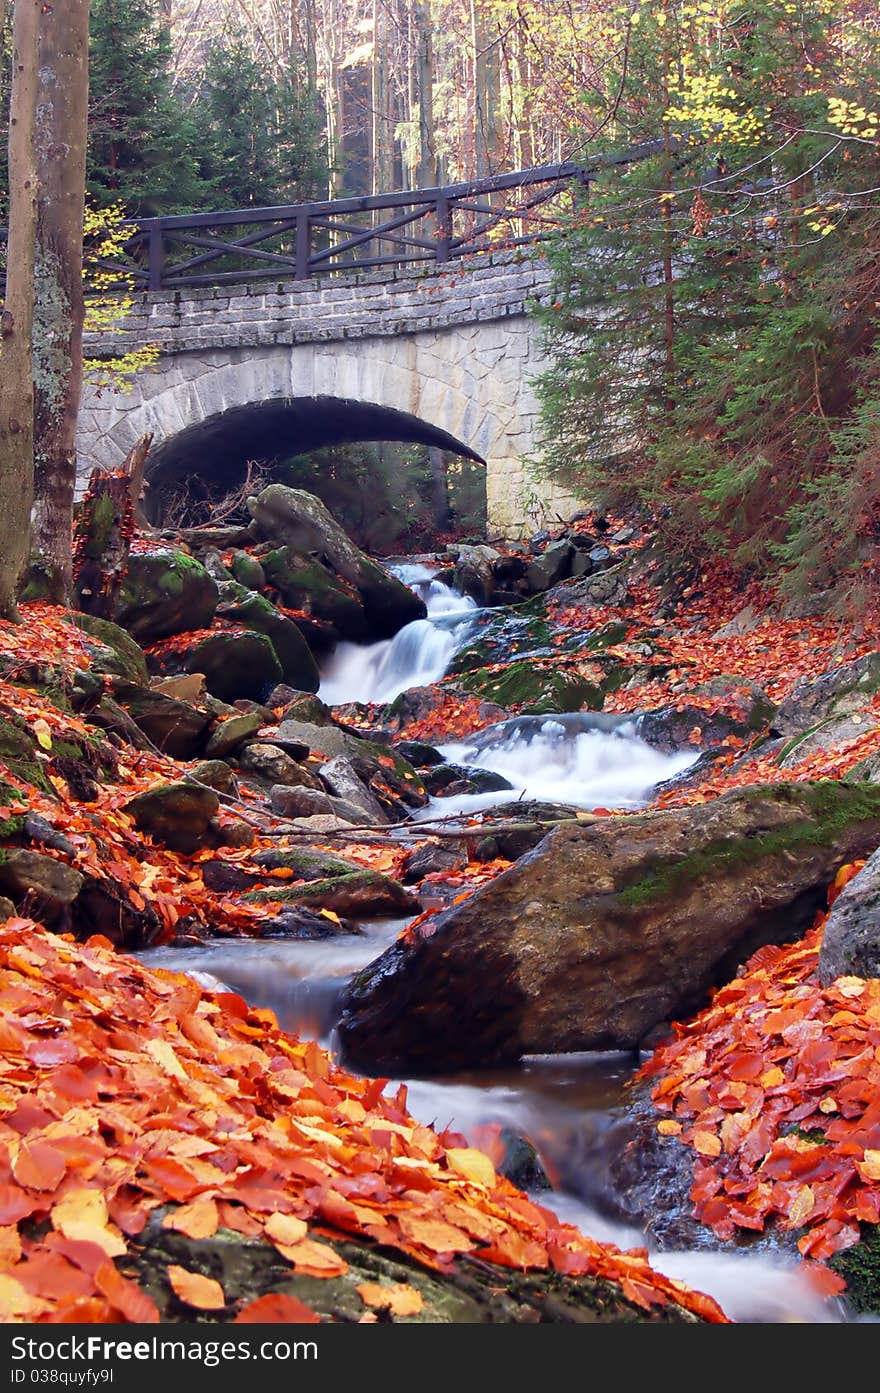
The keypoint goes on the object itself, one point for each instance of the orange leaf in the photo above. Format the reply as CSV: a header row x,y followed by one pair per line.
x,y
400,1299
201,1292
276,1309
707,1143
197,1220
434,1234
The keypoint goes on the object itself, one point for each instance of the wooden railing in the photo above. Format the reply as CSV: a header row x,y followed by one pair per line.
x,y
300,240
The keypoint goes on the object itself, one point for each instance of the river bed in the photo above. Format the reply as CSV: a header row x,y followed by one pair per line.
x,y
562,1104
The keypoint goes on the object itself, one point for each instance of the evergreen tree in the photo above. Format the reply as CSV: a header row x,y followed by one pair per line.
x,y
141,142
258,136
714,308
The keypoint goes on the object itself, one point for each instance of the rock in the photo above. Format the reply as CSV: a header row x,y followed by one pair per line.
x,y
840,692
242,606
239,664
42,886
306,862
537,690
607,929
178,815
300,520
233,832
228,877
296,921
319,740
120,728
521,1163
433,857
419,755
507,570
601,558
476,780
7,909
474,573
550,567
829,734
307,586
38,830
538,541
608,587
294,748
217,774
745,622
516,828
361,894
300,706
269,763
340,778
325,822
127,658
677,727
189,686
581,565
174,727
299,802
247,570
230,734
165,592
851,939
213,564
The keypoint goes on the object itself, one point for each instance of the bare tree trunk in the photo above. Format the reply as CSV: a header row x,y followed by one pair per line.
x,y
487,91
62,109
16,324
427,171
381,103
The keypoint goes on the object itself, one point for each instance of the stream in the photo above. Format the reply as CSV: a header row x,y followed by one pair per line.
x,y
563,1104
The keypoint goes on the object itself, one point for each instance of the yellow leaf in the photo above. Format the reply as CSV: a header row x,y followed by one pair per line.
x,y
400,1299
772,1077
165,1057
43,732
802,1206
202,1292
472,1164
82,1214
850,986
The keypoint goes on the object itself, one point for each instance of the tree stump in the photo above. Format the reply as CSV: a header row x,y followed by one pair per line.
x,y
102,541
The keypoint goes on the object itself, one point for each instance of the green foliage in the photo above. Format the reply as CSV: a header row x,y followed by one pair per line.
x,y
141,142
258,137
712,326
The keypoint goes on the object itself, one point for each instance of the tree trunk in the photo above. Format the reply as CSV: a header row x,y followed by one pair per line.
x,y
105,530
381,104
427,175
62,110
16,324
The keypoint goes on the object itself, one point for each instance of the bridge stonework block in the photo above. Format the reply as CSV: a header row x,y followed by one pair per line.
x,y
450,348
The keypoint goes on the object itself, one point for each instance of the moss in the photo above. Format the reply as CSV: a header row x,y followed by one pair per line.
x,y
18,753
541,691
830,809
131,661
860,1269
11,827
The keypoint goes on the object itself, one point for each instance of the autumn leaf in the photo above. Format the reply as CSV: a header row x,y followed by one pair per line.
x,y
203,1293
82,1214
276,1309
472,1164
43,731
285,1229
707,1143
400,1299
199,1219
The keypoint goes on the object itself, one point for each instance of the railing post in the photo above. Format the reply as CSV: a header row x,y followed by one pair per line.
x,y
303,245
157,258
444,228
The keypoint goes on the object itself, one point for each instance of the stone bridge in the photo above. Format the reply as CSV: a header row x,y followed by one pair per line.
x,y
443,355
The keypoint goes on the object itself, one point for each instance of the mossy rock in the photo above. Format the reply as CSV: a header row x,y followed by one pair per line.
x,y
178,815
468,1292
236,665
248,571
305,584
359,894
538,691
175,727
18,752
860,1269
127,658
306,862
242,606
165,592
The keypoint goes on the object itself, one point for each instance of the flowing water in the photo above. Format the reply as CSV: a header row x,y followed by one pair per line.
x,y
565,1105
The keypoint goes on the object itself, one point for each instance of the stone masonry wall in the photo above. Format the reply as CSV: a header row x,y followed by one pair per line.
x,y
452,346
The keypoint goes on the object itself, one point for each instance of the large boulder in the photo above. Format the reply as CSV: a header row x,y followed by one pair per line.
x,y
310,588
178,815
237,664
165,592
606,930
112,650
851,940
300,520
253,611
175,727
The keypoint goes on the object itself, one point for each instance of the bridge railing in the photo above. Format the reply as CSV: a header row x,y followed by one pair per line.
x,y
300,240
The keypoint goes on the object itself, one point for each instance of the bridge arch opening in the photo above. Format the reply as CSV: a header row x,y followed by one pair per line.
x,y
301,440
